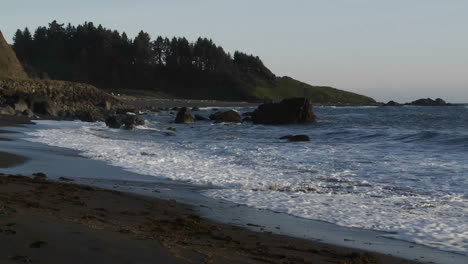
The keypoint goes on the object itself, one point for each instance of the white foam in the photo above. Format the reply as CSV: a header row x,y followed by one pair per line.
x,y
349,185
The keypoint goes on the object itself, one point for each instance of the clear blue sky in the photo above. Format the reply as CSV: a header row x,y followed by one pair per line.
x,y
387,49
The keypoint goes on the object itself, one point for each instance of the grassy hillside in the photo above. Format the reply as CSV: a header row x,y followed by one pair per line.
x,y
9,64
285,87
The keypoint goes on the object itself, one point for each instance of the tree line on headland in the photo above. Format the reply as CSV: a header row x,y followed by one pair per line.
x,y
201,69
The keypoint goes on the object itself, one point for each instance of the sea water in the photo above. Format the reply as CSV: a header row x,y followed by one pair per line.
x,y
403,170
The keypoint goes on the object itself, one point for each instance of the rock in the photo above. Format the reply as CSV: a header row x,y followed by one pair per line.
x,y
128,121
65,179
106,105
172,129
201,118
296,138
247,114
247,119
184,116
288,111
21,106
40,176
113,122
175,108
28,113
44,108
429,102
392,103
230,116
195,108
7,110
89,116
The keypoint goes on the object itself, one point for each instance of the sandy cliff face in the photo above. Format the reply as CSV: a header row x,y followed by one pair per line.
x,y
9,63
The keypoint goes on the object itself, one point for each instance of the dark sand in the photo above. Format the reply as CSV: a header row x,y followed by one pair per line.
x,y
60,222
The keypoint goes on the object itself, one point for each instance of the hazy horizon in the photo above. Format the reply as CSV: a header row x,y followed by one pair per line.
x,y
398,50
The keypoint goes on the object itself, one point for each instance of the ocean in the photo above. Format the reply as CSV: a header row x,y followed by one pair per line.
x,y
401,170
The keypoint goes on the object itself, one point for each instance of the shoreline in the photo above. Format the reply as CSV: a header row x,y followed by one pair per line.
x,y
127,187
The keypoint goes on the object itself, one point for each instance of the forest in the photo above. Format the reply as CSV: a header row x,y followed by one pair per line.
x,y
109,59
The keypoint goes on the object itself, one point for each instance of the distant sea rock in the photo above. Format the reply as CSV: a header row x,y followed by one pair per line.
x,y
289,111
392,103
430,102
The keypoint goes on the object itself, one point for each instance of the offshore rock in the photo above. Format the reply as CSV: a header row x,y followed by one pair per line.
x,y
229,116
288,111
184,116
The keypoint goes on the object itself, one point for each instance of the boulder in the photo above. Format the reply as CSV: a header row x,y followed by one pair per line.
x,y
184,116
195,108
128,121
7,110
296,138
44,107
229,116
288,111
21,106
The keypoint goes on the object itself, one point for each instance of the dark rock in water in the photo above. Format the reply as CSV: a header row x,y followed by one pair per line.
x,y
247,119
296,138
392,103
175,108
195,108
113,122
230,116
172,129
288,111
201,118
247,114
184,116
65,179
429,102
128,121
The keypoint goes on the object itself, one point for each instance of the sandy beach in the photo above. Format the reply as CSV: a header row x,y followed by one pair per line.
x,y
50,221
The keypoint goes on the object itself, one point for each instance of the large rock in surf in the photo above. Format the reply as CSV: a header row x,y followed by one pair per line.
x,y
229,116
128,121
288,111
184,116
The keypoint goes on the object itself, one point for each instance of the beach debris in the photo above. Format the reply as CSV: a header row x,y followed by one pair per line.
x,y
289,111
184,116
296,138
230,116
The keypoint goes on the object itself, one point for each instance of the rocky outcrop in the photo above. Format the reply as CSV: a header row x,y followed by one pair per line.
x,y
184,116
57,99
127,121
429,102
288,111
296,138
229,116
392,103
201,118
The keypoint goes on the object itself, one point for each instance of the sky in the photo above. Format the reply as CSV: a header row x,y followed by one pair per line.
x,y
388,49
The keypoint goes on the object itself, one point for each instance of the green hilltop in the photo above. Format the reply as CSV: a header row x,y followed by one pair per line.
x,y
192,70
